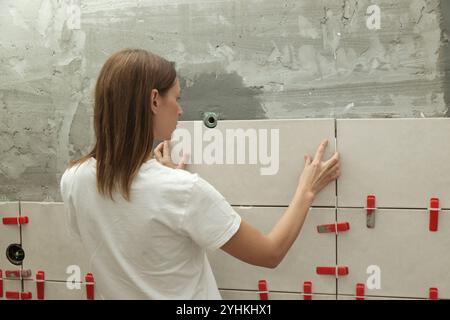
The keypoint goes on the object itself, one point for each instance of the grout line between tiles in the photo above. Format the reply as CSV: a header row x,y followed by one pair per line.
x,y
278,291
336,207
245,206
53,281
328,207
372,296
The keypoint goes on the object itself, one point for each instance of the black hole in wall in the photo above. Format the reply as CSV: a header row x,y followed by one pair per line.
x,y
15,254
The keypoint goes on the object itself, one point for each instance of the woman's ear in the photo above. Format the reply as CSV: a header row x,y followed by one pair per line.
x,y
155,101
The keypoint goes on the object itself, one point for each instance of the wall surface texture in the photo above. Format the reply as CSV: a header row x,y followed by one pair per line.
x,y
243,59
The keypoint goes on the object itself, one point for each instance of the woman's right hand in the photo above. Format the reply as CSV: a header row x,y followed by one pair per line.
x,y
317,174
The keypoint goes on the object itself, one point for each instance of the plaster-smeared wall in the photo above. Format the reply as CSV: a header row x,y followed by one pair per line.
x,y
445,51
244,59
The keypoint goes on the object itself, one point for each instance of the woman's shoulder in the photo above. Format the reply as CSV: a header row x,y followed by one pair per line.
x,y
77,168
194,184
73,173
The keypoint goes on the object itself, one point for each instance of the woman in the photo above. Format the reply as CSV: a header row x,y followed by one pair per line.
x,y
144,221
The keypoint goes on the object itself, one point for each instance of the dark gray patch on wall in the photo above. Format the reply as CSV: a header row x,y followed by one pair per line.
x,y
445,51
224,94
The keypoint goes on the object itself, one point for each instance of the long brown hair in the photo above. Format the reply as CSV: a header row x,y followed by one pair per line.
x,y
123,116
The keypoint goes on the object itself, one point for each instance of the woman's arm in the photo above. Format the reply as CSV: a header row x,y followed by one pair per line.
x,y
250,245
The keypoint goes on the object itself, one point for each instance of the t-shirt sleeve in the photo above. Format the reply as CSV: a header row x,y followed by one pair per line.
x,y
65,188
209,219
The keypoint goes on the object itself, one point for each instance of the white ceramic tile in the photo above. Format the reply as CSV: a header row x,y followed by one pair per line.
x,y
11,285
411,259
47,243
56,290
253,295
9,234
243,184
311,249
404,162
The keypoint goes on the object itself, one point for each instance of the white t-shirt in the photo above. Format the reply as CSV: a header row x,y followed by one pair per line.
x,y
153,247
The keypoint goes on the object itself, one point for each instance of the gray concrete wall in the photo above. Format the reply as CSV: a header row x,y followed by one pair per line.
x,y
244,59
444,59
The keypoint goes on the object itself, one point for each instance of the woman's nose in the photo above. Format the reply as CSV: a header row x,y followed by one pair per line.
x,y
180,112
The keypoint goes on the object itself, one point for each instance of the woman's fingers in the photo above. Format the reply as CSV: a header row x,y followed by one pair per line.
x,y
181,164
183,161
307,160
317,173
334,168
162,154
334,171
333,160
320,151
166,149
157,152
159,146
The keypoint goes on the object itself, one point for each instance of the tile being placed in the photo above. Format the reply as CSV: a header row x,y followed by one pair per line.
x,y
403,162
47,243
10,237
311,249
254,295
255,162
399,257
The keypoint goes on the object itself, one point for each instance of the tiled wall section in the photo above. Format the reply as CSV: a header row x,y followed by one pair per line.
x,y
47,248
246,184
403,163
310,250
411,259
